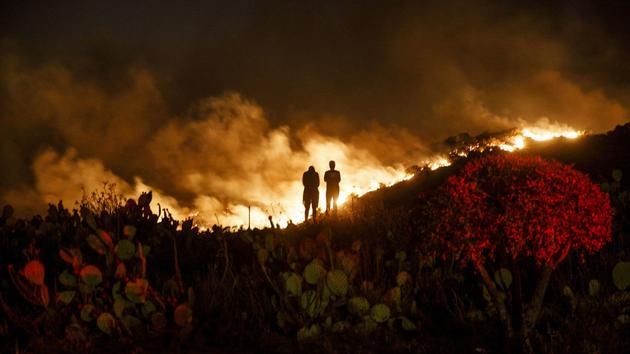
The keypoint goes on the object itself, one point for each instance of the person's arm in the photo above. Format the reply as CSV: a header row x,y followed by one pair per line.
x,y
326,176
304,179
316,180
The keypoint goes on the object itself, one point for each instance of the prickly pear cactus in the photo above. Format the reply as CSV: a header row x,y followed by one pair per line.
x,y
34,272
293,284
106,322
125,249
393,297
91,276
308,332
337,282
67,279
121,271
86,312
129,231
136,291
314,272
380,313
358,306
66,297
621,275
349,262
403,279
183,315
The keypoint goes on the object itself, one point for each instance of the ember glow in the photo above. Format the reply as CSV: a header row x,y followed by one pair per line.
x,y
358,179
240,176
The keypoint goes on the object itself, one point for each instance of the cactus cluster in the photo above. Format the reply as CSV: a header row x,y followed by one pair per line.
x,y
104,280
321,290
103,286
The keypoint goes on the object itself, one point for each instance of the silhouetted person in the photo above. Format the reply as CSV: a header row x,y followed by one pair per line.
x,y
310,197
332,178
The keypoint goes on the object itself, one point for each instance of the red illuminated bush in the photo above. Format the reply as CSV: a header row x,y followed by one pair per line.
x,y
521,208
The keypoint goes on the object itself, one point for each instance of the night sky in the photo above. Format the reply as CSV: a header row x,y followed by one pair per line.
x,y
107,80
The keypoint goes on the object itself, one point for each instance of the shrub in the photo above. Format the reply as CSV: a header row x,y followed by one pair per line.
x,y
520,208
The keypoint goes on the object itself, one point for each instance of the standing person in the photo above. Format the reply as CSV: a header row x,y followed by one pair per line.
x,y
310,197
332,178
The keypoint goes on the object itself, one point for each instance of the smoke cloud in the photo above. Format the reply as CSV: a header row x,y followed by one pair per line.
x,y
215,163
223,108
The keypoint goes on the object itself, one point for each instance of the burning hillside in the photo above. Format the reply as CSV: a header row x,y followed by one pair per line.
x,y
225,164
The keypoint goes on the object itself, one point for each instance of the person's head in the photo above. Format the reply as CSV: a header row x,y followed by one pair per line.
x,y
311,169
331,164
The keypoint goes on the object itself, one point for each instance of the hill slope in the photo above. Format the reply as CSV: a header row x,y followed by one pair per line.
x,y
595,154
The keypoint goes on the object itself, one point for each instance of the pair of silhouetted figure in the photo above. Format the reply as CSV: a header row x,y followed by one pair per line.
x,y
310,197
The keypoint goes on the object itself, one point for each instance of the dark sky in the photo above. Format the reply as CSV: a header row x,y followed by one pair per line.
x,y
390,61
117,83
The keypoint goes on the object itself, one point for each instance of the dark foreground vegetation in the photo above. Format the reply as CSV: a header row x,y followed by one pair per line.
x,y
110,278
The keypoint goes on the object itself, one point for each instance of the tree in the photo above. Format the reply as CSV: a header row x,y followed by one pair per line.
x,y
520,209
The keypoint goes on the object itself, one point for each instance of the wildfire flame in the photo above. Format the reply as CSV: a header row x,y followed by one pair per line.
x,y
359,180
357,177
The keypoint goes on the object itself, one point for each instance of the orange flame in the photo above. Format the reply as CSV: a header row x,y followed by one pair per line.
x,y
360,175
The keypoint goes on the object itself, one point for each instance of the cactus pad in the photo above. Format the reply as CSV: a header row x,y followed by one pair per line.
x,y
34,272
380,313
401,256
67,279
91,275
148,308
293,284
86,312
308,332
337,282
121,271
65,297
403,279
313,272
358,306
105,238
96,244
393,297
183,315
119,307
129,231
125,249
621,275
106,322
136,290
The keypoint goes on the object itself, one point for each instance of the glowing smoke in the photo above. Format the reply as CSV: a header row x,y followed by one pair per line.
x,y
213,162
